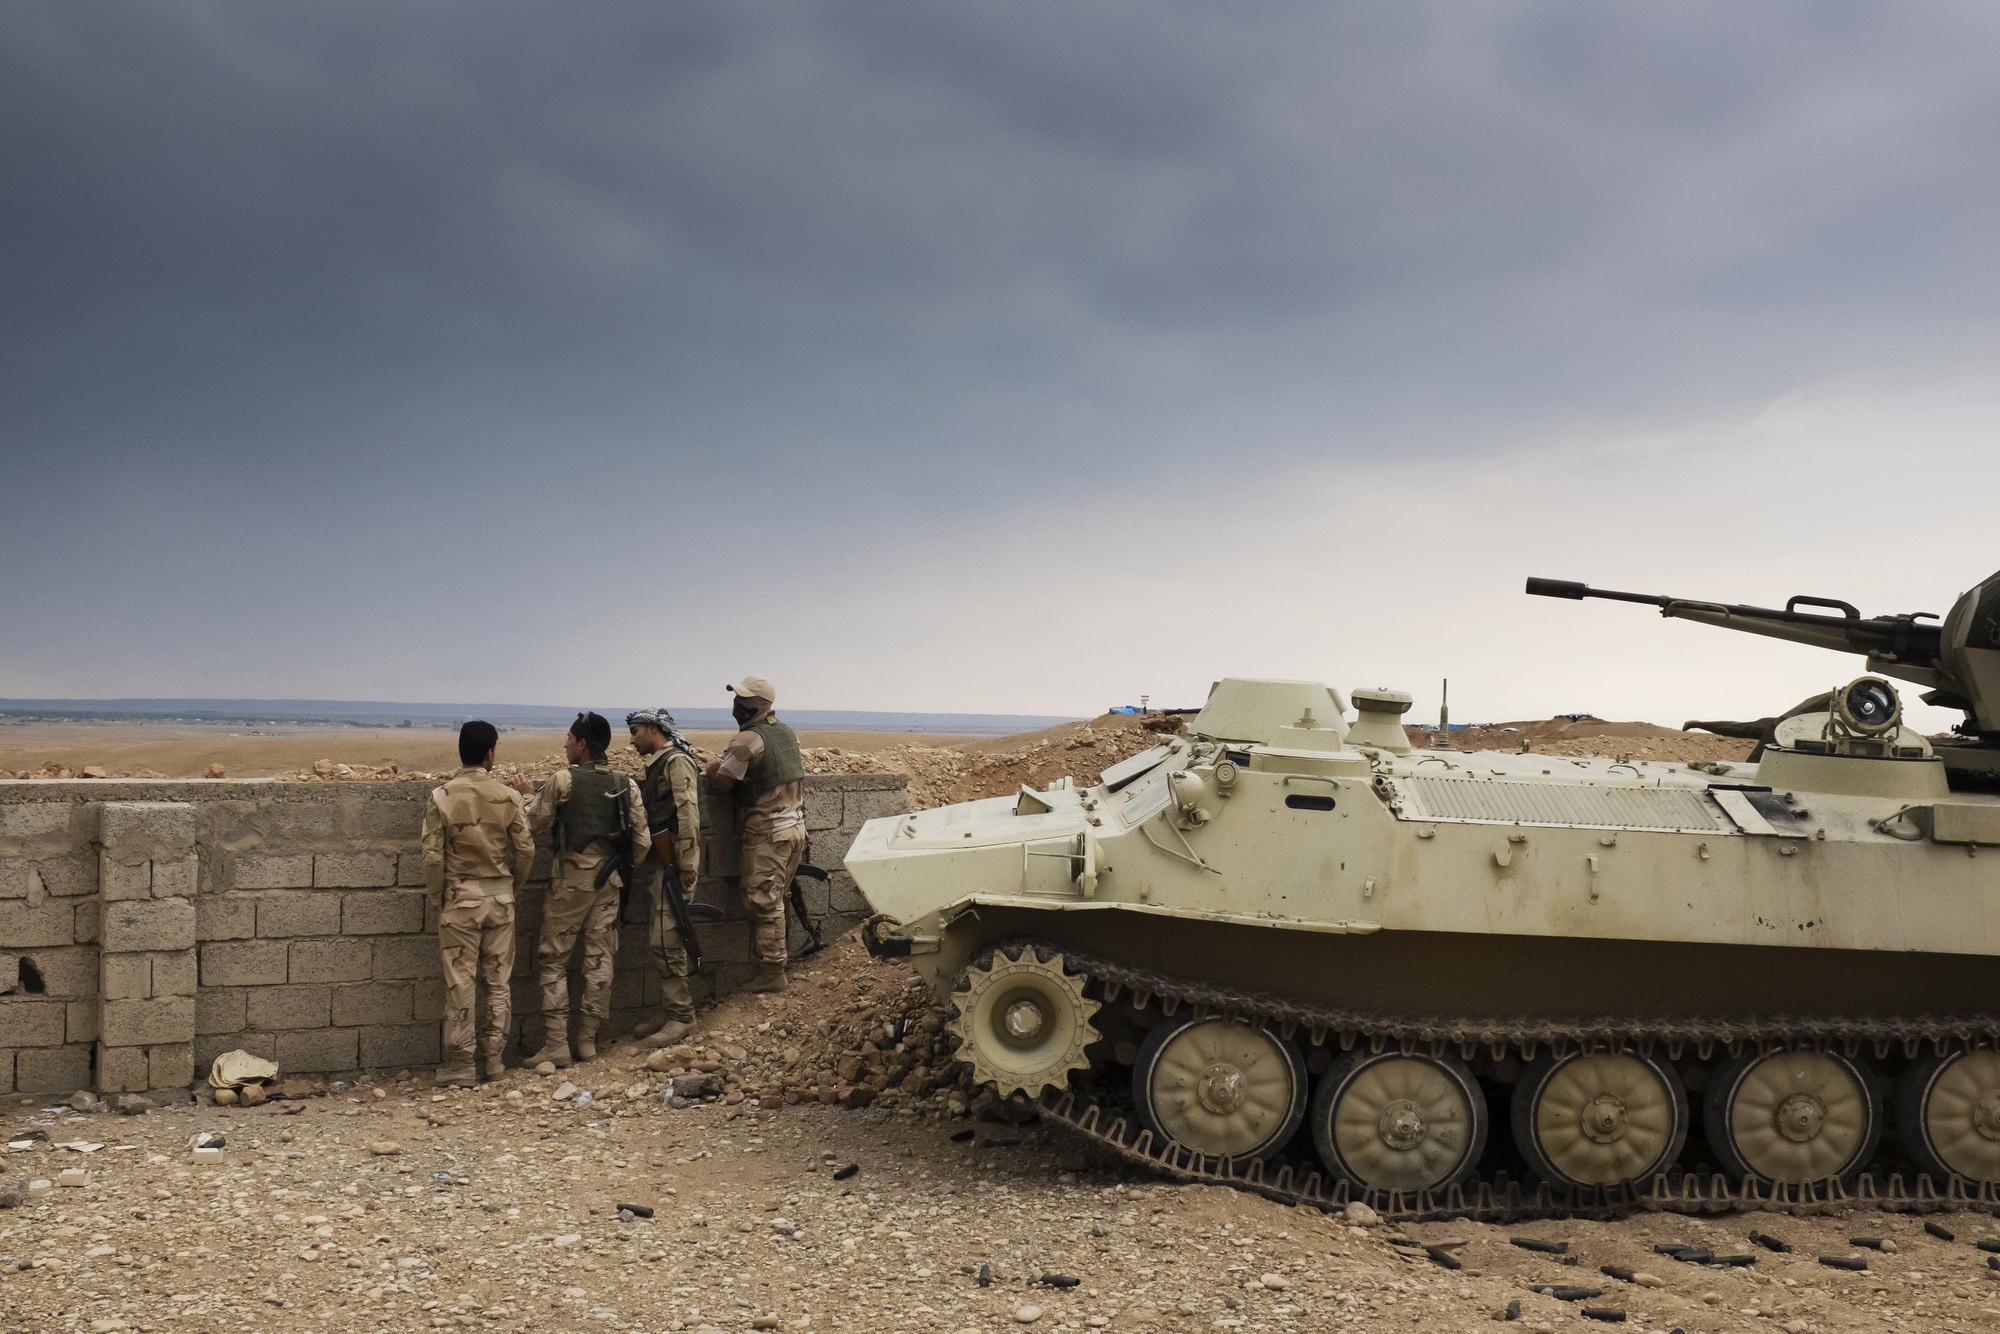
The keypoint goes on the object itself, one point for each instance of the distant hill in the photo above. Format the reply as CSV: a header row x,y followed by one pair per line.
x,y
388,713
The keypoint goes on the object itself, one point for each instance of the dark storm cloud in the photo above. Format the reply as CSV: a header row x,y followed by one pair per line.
x,y
286,289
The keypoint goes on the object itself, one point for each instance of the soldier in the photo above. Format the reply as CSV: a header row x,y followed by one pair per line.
x,y
762,760
671,790
477,854
584,804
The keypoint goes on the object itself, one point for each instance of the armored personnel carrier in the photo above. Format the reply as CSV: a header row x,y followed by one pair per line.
x,y
1290,950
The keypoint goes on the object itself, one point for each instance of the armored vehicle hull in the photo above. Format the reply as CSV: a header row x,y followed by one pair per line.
x,y
1289,951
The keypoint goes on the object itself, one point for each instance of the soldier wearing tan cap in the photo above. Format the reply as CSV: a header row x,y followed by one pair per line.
x,y
762,765
477,854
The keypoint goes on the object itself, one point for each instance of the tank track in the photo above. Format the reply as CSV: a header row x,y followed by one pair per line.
x,y
1499,1200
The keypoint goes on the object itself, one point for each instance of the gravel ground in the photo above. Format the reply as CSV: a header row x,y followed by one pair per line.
x,y
498,1208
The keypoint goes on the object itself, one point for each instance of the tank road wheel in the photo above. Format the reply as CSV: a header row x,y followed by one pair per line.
x,y
1598,1120
1222,1088
1792,1116
1399,1122
1024,1023
1948,1112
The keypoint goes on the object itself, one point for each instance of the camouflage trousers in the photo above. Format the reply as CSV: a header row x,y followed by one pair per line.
x,y
769,863
574,908
669,953
476,937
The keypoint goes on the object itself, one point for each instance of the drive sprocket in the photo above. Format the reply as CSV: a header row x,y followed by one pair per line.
x,y
1023,1022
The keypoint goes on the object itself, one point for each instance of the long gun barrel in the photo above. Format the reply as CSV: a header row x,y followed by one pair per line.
x,y
1895,645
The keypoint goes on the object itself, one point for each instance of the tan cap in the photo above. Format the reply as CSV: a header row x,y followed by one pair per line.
x,y
754,686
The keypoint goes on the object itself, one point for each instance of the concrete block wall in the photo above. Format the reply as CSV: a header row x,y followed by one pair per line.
x,y
147,926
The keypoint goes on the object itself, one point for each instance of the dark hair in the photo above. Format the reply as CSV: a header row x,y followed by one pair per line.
x,y
475,739
593,731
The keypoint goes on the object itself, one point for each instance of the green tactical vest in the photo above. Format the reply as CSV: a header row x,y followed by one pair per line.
x,y
661,813
591,812
780,763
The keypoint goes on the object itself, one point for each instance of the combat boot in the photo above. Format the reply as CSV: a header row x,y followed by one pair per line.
x,y
493,1067
555,1050
645,1028
458,1075
670,1032
586,1039
768,977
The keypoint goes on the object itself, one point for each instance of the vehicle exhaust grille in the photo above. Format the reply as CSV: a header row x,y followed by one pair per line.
x,y
1473,801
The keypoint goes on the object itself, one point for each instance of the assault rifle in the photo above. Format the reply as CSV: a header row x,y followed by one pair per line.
x,y
799,906
620,859
684,913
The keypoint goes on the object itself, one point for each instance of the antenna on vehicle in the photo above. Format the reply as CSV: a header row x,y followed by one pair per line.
x,y
1444,715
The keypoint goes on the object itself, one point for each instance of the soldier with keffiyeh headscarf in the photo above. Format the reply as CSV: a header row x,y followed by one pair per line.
x,y
671,791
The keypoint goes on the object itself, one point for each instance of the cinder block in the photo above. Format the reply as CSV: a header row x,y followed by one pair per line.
x,y
410,870
427,997
126,977
372,1003
827,849
38,828
67,974
131,1023
225,917
312,823
843,898
89,918
822,808
52,1069
381,913
81,1023
726,942
157,924
289,1007
66,877
206,1049
16,875
6,1070
220,1010
295,872
407,956
863,806
122,883
52,922
153,830
431,913
721,858
32,1023
10,972
338,960
174,973
317,1050
122,1070
354,870
170,1065
244,963
408,1044
175,877
298,914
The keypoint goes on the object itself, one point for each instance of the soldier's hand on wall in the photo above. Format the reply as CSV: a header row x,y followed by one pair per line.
x,y
523,786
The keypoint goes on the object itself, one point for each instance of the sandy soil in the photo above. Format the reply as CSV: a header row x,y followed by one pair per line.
x,y
176,750
399,1206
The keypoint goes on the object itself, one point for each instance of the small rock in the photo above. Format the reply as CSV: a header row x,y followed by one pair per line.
x,y
384,1147
660,1060
253,1095
546,1068
225,1097
765,1322
1794,1327
1274,1280
215,771
72,1176
1027,1315
1360,1215
13,1190
1889,1248
565,1091
1712,1298
132,1104
1646,1280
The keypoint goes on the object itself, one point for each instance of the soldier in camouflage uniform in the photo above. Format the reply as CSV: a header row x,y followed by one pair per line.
x,y
671,790
762,766
477,854
582,804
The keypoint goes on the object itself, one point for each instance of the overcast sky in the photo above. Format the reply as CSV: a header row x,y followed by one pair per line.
x,y
1012,357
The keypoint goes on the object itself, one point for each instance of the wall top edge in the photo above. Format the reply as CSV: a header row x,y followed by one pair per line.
x,y
18,790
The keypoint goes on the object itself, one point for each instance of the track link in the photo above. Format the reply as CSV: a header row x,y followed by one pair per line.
x,y
1497,1199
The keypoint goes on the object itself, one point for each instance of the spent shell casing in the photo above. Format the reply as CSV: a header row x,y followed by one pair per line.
x,y
1770,1243
1866,1243
1058,1281
1619,1272
1941,1233
1514,1309
1563,1292
1545,1247
1440,1256
1608,1314
1843,1262
841,1174
638,1210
